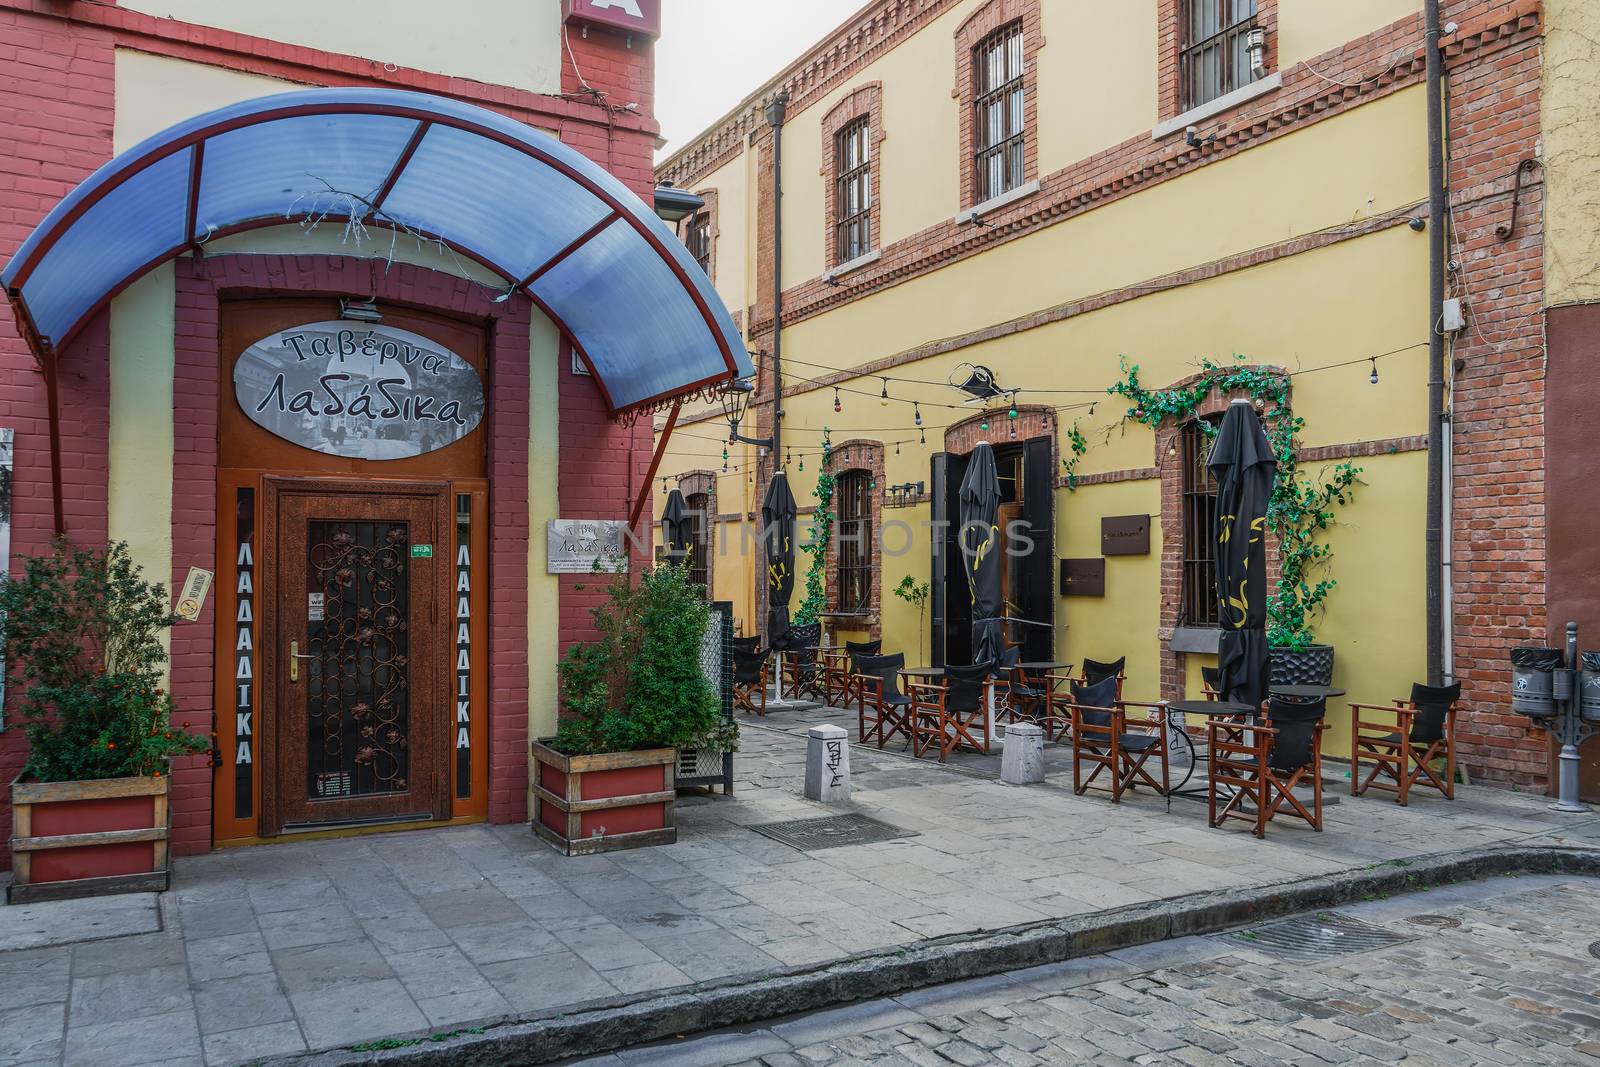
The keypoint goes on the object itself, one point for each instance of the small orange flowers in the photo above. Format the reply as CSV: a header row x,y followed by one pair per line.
x,y
111,744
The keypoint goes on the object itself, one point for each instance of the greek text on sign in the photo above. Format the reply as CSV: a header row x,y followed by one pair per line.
x,y
358,390
576,546
193,596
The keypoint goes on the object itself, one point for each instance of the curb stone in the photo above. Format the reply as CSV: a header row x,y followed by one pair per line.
x,y
605,1026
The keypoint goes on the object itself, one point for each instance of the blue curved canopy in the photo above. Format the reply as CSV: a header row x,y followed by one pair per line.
x,y
595,258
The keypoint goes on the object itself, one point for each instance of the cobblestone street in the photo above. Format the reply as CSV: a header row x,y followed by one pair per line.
x,y
1513,983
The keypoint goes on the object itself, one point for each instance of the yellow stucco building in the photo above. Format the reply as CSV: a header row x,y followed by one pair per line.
x,y
1057,192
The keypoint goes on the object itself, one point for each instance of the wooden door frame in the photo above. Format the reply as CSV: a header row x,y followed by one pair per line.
x,y
270,655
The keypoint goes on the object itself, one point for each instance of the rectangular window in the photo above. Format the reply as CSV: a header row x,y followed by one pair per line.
x,y
853,196
700,538
1216,57
998,142
853,501
1199,529
699,240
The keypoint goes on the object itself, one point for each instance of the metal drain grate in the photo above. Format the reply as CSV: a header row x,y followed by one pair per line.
x,y
831,831
1309,938
1594,949
1435,922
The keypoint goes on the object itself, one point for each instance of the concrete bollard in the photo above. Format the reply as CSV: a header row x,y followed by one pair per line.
x,y
1023,759
827,764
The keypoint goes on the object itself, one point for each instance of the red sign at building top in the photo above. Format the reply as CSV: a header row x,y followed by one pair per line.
x,y
631,16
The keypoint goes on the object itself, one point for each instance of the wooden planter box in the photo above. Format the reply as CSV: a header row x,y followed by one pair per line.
x,y
80,839
588,804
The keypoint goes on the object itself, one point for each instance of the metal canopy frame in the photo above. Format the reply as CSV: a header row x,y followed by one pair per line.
x,y
556,226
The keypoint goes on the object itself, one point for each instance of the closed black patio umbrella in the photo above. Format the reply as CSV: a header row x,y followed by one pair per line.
x,y
677,527
981,551
1243,464
777,525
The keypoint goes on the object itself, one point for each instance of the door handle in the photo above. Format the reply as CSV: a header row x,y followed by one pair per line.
x,y
295,657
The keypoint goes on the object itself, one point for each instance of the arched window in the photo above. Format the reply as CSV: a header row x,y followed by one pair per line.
x,y
700,539
853,504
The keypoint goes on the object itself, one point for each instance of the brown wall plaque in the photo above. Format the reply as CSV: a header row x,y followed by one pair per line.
x,y
1083,577
1125,535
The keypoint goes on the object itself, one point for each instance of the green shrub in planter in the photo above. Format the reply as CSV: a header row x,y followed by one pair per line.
x,y
82,644
639,685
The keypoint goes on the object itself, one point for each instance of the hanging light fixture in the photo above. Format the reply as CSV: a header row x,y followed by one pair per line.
x,y
789,458
1374,378
837,404
897,448
802,461
883,401
916,411
922,437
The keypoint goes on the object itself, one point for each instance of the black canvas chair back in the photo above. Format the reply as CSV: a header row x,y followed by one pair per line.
x,y
1101,694
864,648
1297,726
1094,671
1211,677
964,686
747,666
886,668
746,644
1432,702
802,640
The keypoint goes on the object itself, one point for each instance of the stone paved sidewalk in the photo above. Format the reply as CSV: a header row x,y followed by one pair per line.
x,y
1513,983
320,944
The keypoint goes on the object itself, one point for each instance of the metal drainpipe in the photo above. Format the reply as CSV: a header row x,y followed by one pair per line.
x,y
1438,219
776,111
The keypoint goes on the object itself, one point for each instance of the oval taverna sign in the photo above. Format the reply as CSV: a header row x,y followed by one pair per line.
x,y
358,390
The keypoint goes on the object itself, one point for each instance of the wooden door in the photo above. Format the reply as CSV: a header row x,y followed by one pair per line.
x,y
1012,587
353,661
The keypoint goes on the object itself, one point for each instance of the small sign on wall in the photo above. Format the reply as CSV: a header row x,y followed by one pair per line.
x,y
580,546
1125,535
1083,577
192,599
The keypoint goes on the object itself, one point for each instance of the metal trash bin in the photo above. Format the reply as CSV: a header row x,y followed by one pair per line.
x,y
1532,681
1589,687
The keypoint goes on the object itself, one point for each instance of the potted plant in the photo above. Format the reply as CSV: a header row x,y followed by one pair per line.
x,y
631,698
916,594
82,643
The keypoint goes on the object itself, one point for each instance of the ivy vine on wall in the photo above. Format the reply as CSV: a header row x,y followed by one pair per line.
x,y
1301,508
816,598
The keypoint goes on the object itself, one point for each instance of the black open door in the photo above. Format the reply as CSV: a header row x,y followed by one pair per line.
x,y
951,604
1038,593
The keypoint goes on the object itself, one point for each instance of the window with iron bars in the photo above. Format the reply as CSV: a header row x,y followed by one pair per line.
x,y
699,538
853,191
999,141
854,503
1216,56
1199,503
699,240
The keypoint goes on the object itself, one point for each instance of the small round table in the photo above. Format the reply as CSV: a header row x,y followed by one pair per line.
x,y
923,672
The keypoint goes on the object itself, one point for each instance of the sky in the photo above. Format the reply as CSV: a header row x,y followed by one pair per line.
x,y
714,53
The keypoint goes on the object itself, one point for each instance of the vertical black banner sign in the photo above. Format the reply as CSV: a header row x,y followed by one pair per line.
x,y
244,642
463,645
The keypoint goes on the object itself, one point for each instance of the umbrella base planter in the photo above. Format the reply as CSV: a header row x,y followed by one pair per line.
x,y
81,839
614,800
1311,666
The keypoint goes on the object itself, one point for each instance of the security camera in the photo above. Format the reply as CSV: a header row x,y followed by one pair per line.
x,y
1192,131
1419,224
1450,29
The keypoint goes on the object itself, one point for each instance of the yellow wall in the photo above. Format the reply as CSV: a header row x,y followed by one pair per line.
x,y
503,42
733,206
154,92
1308,28
544,504
139,480
1087,48
1121,622
1571,151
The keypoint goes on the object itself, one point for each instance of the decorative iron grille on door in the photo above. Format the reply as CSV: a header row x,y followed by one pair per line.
x,y
357,700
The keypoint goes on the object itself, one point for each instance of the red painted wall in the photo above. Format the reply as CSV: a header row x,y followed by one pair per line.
x,y
56,111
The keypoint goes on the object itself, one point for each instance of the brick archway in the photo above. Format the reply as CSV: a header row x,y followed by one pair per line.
x,y
690,484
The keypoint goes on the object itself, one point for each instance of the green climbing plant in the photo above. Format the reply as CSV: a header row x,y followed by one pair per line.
x,y
1301,508
815,601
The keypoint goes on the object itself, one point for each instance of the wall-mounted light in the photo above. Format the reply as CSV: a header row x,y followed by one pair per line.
x,y
359,311
673,205
1255,42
